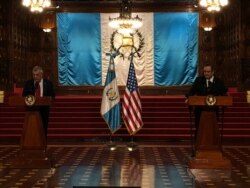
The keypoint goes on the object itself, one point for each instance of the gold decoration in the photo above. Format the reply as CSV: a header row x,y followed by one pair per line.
x,y
111,94
30,100
125,45
210,100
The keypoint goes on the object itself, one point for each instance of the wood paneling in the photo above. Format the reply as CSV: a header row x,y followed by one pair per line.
x,y
23,44
223,46
4,73
114,5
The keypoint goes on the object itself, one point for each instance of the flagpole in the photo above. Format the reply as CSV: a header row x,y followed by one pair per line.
x,y
131,108
132,145
110,106
111,144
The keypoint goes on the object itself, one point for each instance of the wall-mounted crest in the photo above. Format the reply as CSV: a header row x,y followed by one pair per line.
x,y
125,45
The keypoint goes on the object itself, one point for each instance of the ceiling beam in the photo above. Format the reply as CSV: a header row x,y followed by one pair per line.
x,y
111,6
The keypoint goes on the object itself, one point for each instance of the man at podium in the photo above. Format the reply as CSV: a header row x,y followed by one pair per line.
x,y
40,87
207,84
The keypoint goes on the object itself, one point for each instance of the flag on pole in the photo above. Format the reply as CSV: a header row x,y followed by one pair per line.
x,y
110,106
131,108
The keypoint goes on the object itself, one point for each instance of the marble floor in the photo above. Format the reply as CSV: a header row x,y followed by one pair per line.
x,y
146,166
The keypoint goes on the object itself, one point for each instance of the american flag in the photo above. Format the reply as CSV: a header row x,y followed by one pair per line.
x,y
131,107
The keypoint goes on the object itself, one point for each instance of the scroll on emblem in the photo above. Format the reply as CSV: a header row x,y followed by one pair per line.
x,y
30,100
210,100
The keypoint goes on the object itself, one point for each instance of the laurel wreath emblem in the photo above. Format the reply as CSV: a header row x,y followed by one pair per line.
x,y
210,100
111,94
138,42
30,100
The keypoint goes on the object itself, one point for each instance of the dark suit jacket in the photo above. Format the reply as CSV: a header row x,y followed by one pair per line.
x,y
48,89
200,88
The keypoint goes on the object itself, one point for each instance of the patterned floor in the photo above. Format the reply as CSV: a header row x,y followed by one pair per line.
x,y
147,166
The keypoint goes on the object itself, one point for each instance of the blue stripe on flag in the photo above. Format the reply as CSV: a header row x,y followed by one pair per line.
x,y
79,48
175,48
110,107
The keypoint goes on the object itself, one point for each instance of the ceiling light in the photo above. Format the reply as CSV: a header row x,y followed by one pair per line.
x,y
36,5
125,24
213,5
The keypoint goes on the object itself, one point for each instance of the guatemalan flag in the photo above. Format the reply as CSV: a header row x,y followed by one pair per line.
x,y
169,56
110,106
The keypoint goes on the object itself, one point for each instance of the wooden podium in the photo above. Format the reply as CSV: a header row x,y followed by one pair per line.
x,y
208,153
33,144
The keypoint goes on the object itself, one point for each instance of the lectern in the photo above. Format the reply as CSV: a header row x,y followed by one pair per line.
x,y
208,153
33,145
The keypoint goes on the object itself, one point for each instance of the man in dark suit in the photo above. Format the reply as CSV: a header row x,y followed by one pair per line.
x,y
40,87
208,84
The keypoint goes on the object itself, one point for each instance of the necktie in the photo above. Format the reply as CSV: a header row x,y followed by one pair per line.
x,y
38,90
209,84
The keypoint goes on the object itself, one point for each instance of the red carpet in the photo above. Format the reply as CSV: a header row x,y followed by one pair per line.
x,y
165,117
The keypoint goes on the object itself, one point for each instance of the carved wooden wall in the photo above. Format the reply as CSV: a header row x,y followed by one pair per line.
x,y
4,42
48,55
23,44
245,44
221,46
227,45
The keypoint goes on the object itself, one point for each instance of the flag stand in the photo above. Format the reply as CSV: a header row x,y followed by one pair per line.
x,y
111,144
132,145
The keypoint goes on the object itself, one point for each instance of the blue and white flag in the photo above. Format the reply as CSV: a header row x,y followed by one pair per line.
x,y
110,107
169,56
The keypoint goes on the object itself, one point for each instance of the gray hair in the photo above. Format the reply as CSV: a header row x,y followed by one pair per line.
x,y
37,69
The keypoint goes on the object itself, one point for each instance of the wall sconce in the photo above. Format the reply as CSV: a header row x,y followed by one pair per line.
x,y
207,21
48,21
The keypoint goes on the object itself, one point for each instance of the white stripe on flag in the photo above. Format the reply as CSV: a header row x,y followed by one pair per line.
x,y
106,103
110,106
131,107
144,65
